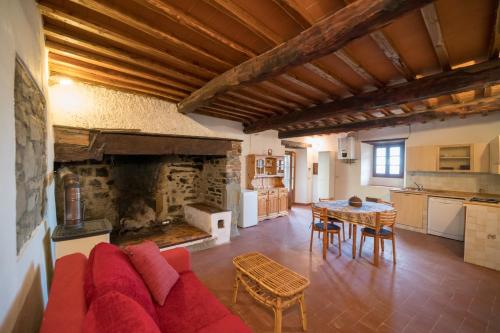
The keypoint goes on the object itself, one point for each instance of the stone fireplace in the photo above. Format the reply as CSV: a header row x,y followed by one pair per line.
x,y
144,196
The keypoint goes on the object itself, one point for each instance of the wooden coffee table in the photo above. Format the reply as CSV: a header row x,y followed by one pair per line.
x,y
271,284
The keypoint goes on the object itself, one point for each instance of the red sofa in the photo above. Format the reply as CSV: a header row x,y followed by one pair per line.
x,y
189,307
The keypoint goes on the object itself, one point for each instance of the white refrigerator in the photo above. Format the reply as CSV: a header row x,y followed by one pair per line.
x,y
248,209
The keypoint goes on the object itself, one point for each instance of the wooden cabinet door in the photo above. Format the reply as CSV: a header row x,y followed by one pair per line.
x,y
410,208
283,200
262,205
421,158
481,157
273,204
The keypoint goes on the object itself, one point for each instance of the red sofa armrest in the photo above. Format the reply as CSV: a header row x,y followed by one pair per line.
x,y
66,308
179,258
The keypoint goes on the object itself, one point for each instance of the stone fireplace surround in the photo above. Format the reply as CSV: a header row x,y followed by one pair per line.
x,y
143,195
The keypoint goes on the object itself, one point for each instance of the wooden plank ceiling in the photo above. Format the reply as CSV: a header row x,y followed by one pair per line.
x,y
299,66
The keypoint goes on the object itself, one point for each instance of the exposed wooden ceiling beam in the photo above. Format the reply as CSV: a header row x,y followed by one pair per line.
x,y
319,71
221,114
252,100
390,52
95,59
395,120
288,95
431,20
246,108
108,83
293,9
232,9
235,113
296,81
324,37
190,22
79,23
122,55
137,23
74,65
457,80
270,97
494,48
357,68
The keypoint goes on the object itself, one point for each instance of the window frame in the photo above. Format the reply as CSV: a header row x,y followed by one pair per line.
x,y
387,146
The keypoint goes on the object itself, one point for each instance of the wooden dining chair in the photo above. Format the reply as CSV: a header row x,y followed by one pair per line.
x,y
383,230
334,220
321,223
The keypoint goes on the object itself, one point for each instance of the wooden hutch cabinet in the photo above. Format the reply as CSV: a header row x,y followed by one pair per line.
x,y
265,174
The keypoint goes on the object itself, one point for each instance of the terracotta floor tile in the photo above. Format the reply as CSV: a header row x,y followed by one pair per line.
x,y
430,288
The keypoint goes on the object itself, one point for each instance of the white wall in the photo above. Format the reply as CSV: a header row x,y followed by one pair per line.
x,y
21,33
453,131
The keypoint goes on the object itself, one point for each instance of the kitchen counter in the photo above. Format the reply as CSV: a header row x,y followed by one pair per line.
x,y
453,194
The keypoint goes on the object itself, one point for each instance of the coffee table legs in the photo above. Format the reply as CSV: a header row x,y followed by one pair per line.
x,y
278,316
235,288
303,317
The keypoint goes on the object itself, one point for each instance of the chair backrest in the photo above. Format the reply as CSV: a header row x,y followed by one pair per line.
x,y
378,200
326,199
320,214
387,218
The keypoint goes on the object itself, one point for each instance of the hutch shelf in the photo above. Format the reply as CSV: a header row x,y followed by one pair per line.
x,y
265,175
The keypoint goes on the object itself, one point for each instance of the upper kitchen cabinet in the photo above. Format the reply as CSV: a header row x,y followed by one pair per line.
x,y
495,155
421,158
449,158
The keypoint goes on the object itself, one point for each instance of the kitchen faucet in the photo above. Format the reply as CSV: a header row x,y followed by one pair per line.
x,y
419,187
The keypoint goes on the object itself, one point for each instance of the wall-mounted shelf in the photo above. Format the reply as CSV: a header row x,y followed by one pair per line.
x,y
455,158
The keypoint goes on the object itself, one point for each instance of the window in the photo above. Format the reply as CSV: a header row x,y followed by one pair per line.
x,y
388,159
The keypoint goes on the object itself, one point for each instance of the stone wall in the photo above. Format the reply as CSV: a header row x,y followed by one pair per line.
x,y
164,184
31,157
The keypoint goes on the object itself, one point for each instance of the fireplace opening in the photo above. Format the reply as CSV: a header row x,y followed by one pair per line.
x,y
144,196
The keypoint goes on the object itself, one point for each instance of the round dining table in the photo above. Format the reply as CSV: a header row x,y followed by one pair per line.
x,y
365,215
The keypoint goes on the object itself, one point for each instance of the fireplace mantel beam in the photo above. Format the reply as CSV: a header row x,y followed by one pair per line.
x,y
72,144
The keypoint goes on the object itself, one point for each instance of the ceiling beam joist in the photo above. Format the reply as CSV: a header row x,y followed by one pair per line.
x,y
329,35
119,54
454,81
137,23
95,59
480,106
431,20
190,22
79,23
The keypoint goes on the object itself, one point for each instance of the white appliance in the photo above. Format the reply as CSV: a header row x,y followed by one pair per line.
x,y
347,148
446,217
248,209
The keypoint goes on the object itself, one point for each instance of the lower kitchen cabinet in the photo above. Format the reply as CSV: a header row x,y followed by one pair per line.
x,y
272,203
482,235
411,210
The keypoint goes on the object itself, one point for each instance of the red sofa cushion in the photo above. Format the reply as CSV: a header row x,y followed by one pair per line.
x,y
228,324
109,269
115,312
66,307
156,272
189,306
179,258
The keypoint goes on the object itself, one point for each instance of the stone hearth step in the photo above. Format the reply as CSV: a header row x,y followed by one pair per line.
x,y
175,235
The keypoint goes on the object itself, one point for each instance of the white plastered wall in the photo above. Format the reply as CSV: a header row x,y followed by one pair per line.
x,y
24,277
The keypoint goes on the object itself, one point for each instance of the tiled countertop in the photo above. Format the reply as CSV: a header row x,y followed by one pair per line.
x,y
453,194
